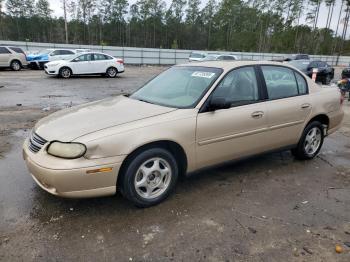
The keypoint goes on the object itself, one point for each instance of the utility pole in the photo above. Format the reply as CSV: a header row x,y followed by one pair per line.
x,y
65,19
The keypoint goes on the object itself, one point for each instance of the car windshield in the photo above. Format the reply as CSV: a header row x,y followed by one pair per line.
x,y
301,65
178,87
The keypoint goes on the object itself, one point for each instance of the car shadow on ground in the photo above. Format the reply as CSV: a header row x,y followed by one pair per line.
x,y
46,206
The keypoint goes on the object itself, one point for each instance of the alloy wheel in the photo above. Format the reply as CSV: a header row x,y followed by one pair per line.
x,y
112,72
312,141
153,178
65,73
15,66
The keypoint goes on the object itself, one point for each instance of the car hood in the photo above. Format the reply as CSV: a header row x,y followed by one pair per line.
x,y
32,57
69,124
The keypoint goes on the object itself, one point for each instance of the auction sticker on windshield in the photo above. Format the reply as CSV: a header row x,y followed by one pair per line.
x,y
203,74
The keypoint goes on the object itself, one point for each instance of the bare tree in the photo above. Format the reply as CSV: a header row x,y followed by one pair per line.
x,y
64,5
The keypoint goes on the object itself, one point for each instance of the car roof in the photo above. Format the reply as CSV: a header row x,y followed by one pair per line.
x,y
228,65
91,52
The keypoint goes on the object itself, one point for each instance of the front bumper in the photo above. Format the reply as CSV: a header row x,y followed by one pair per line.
x,y
72,180
50,70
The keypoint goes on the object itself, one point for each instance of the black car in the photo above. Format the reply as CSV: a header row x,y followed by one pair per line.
x,y
325,72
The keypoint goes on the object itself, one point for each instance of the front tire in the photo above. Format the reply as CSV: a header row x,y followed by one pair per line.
x,y
310,142
65,72
149,177
16,65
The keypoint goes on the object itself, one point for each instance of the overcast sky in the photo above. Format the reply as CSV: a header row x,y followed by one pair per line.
x,y
56,6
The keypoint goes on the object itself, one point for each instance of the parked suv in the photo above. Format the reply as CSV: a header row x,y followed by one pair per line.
x,y
12,57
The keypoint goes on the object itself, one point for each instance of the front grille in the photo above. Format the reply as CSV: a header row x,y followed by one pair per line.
x,y
36,142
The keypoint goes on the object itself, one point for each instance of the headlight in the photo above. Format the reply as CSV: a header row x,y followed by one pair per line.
x,y
66,150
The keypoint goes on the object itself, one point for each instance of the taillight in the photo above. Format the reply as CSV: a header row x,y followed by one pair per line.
x,y
120,61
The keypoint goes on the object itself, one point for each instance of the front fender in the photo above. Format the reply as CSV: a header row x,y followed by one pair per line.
x,y
123,140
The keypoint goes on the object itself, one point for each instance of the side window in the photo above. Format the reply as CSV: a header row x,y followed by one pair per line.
x,y
239,87
67,52
17,50
56,52
229,58
280,82
302,85
4,50
99,57
82,58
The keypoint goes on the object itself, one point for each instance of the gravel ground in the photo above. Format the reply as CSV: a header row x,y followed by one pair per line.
x,y
267,208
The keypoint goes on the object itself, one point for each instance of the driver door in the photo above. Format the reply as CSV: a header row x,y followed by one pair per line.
x,y
235,132
82,64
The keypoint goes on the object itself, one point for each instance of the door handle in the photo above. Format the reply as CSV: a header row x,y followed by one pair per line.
x,y
257,114
305,106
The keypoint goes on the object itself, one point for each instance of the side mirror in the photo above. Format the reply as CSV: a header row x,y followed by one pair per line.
x,y
217,103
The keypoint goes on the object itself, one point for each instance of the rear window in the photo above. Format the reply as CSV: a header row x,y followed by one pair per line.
x,y
17,50
67,52
280,82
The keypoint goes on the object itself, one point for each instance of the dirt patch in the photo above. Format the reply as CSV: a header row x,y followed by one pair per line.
x,y
17,118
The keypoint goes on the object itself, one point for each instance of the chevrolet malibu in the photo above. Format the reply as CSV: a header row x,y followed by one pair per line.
x,y
187,118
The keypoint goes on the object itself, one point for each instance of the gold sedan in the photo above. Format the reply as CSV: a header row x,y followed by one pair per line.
x,y
189,117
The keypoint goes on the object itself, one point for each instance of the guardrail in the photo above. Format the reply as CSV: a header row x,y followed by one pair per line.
x,y
158,56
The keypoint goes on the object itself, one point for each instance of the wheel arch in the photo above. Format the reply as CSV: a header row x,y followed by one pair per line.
x,y
173,147
65,66
16,59
322,118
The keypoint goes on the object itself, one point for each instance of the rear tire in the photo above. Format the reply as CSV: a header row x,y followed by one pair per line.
x,y
310,142
111,72
65,72
149,177
16,65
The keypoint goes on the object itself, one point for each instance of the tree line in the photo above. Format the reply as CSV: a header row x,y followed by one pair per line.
x,y
283,26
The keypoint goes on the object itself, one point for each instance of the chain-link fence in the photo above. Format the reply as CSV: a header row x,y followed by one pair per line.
x,y
156,56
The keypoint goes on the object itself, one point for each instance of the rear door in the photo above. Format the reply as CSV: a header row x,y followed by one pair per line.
x,y
5,56
239,130
288,104
100,63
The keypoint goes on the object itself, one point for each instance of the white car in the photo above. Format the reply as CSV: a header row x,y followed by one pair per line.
x,y
219,57
196,56
86,64
40,58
